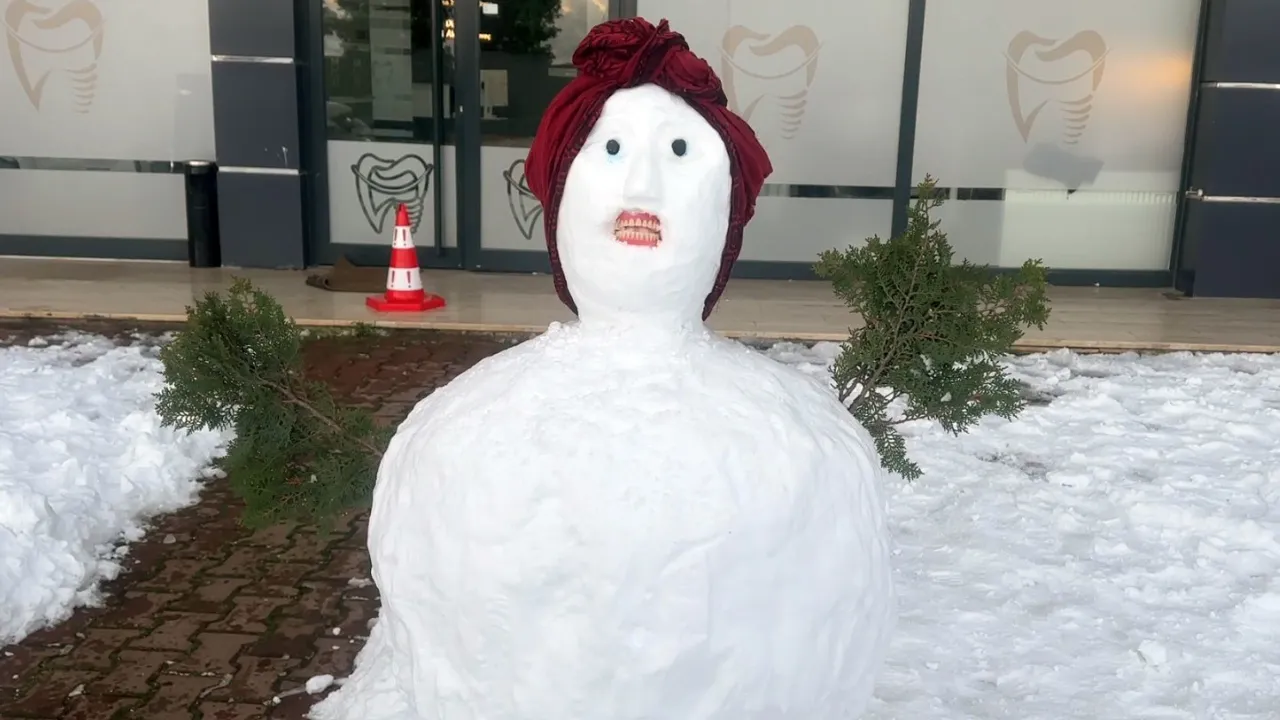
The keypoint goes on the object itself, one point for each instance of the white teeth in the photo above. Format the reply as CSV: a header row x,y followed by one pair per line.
x,y
651,224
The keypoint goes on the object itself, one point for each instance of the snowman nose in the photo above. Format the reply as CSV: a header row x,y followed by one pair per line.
x,y
644,180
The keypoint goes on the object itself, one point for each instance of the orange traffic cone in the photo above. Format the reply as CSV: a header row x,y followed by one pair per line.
x,y
404,279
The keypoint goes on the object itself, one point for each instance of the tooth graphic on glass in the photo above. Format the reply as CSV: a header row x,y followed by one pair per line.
x,y
767,77
54,49
1052,87
383,184
525,208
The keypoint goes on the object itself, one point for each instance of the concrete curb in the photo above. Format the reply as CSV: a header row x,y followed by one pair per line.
x,y
1027,346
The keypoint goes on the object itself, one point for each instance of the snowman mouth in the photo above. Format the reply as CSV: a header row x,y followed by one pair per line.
x,y
640,229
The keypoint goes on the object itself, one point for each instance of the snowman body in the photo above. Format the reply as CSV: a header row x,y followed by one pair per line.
x,y
576,528
628,517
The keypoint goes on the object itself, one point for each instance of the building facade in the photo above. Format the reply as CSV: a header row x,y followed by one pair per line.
x,y
1124,144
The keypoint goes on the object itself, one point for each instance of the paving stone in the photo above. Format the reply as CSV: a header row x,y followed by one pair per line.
x,y
291,637
249,614
214,653
293,707
330,655
286,575
357,613
257,679
176,697
219,620
231,711
18,662
96,649
359,537
176,631
344,564
319,602
47,694
213,596
307,548
136,609
272,536
246,561
133,672
65,632
177,575
97,707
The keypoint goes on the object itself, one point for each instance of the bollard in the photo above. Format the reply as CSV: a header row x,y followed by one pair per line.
x,y
203,246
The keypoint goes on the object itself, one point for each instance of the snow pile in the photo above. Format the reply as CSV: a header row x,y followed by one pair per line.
x,y
84,461
1112,553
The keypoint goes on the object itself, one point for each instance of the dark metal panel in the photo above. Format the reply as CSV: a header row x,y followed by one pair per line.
x,y
907,118
1237,148
1239,249
263,28
467,153
1242,41
255,114
260,219
313,129
91,247
1181,264
438,113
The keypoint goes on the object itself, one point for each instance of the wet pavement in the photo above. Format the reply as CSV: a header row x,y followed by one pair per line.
x,y
213,621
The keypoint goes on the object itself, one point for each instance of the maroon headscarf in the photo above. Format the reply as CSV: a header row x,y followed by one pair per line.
x,y
623,54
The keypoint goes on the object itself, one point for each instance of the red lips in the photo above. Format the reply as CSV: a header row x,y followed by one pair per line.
x,y
638,228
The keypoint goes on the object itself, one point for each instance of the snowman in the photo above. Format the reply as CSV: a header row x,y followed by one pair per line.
x,y
629,517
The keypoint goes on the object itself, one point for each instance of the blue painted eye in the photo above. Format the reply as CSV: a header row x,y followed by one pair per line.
x,y
679,147
612,147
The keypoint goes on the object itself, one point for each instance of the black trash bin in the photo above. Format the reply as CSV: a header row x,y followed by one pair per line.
x,y
203,247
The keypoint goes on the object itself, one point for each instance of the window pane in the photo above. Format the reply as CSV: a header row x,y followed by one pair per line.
x,y
526,52
526,57
1057,127
378,69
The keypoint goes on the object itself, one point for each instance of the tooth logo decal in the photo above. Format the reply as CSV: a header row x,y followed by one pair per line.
x,y
757,59
1065,104
45,42
525,208
382,184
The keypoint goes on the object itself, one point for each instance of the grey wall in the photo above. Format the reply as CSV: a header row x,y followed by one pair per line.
x,y
256,124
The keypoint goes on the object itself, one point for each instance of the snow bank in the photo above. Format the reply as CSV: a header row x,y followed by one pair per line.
x,y
84,461
1114,553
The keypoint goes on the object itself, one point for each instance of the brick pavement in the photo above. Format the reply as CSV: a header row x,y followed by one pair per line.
x,y
212,621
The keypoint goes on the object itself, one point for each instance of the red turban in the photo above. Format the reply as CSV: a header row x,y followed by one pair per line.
x,y
623,54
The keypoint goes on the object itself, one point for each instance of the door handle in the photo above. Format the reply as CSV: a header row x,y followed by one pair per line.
x,y
1194,194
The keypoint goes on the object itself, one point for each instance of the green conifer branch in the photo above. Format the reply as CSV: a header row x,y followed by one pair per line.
x,y
297,453
933,331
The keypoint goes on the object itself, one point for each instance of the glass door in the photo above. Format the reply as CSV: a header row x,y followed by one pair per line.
x,y
513,57
390,101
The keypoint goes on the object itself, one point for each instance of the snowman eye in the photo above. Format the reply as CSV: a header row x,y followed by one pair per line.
x,y
679,147
612,147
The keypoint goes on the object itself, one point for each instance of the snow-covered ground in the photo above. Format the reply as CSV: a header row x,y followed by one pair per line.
x,y
84,461
1114,553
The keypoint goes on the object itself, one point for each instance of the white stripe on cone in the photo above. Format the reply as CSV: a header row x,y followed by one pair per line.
x,y
402,239
404,279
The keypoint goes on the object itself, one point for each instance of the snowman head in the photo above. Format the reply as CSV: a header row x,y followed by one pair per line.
x,y
645,209
645,176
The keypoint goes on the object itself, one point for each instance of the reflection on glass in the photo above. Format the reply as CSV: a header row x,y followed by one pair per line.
x,y
527,60
379,65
